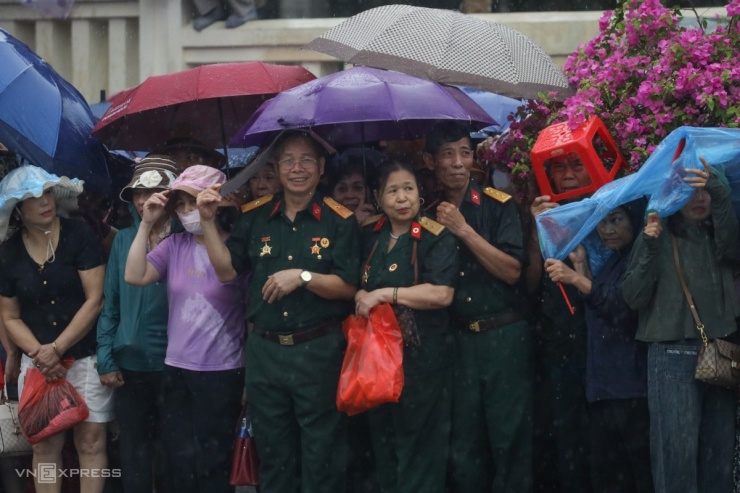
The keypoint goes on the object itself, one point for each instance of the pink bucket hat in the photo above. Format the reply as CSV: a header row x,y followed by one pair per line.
x,y
195,179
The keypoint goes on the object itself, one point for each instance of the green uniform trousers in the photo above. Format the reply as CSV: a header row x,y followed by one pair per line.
x,y
491,443
300,435
411,437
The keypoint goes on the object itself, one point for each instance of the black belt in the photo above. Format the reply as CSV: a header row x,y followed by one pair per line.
x,y
495,322
289,339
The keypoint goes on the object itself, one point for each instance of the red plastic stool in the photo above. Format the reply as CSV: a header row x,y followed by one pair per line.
x,y
592,143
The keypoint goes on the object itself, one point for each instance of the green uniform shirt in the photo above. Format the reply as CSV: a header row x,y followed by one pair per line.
x,y
319,240
479,294
437,264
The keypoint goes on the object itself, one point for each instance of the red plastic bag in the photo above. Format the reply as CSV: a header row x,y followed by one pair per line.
x,y
47,408
372,371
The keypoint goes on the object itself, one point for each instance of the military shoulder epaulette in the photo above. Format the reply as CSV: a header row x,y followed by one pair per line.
x,y
341,210
432,226
371,220
250,206
496,194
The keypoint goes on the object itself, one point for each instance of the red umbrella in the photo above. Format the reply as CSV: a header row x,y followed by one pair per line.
x,y
209,103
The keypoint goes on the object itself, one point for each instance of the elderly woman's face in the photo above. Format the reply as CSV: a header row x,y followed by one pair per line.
x,y
615,230
350,191
264,182
39,211
399,197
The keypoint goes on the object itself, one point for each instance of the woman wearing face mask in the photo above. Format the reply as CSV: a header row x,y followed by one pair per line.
x,y
203,374
616,364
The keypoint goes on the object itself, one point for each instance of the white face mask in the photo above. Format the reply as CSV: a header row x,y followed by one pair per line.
x,y
191,222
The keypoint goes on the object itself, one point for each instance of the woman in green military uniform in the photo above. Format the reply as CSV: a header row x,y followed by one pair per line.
x,y
411,262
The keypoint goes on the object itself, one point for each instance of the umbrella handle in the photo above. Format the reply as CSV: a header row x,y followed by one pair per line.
x,y
567,300
223,136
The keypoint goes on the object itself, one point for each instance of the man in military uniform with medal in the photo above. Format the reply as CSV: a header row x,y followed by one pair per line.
x,y
303,250
491,445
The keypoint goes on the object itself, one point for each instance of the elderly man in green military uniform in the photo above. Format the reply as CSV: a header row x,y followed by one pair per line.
x,y
303,250
491,445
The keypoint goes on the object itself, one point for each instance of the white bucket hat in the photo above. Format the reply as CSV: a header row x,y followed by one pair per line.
x,y
31,181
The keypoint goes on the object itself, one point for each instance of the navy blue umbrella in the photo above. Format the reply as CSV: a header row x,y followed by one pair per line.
x,y
45,119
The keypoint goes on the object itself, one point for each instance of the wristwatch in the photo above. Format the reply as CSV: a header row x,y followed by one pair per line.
x,y
305,278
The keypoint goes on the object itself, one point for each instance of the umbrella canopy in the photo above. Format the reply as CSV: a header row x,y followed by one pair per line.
x,y
192,103
447,47
362,104
499,107
45,119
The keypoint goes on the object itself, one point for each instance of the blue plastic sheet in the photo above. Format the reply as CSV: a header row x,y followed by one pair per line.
x,y
562,229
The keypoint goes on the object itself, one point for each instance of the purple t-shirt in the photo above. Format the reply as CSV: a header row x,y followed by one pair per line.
x,y
205,330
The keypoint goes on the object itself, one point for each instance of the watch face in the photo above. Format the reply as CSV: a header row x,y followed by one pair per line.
x,y
305,276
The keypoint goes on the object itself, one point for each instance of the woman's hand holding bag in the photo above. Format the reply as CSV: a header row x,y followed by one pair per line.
x,y
372,371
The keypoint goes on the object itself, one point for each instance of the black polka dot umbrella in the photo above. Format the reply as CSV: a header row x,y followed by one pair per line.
x,y
445,46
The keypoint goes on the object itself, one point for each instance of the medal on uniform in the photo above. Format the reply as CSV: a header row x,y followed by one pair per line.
x,y
316,249
324,243
393,267
266,249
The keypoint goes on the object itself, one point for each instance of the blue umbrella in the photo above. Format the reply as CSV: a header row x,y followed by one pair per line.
x,y
99,109
499,107
45,119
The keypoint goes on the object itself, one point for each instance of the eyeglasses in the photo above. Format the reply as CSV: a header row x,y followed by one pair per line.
x,y
305,162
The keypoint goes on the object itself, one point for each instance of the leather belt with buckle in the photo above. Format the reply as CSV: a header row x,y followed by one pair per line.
x,y
296,337
491,323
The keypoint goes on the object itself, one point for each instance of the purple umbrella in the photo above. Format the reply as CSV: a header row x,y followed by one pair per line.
x,y
359,105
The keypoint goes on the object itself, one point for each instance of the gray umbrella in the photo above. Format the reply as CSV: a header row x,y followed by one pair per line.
x,y
445,46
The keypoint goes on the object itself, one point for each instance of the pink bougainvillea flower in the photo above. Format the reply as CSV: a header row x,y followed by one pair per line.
x,y
644,75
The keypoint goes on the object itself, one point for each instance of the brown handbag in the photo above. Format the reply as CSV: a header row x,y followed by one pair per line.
x,y
718,361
